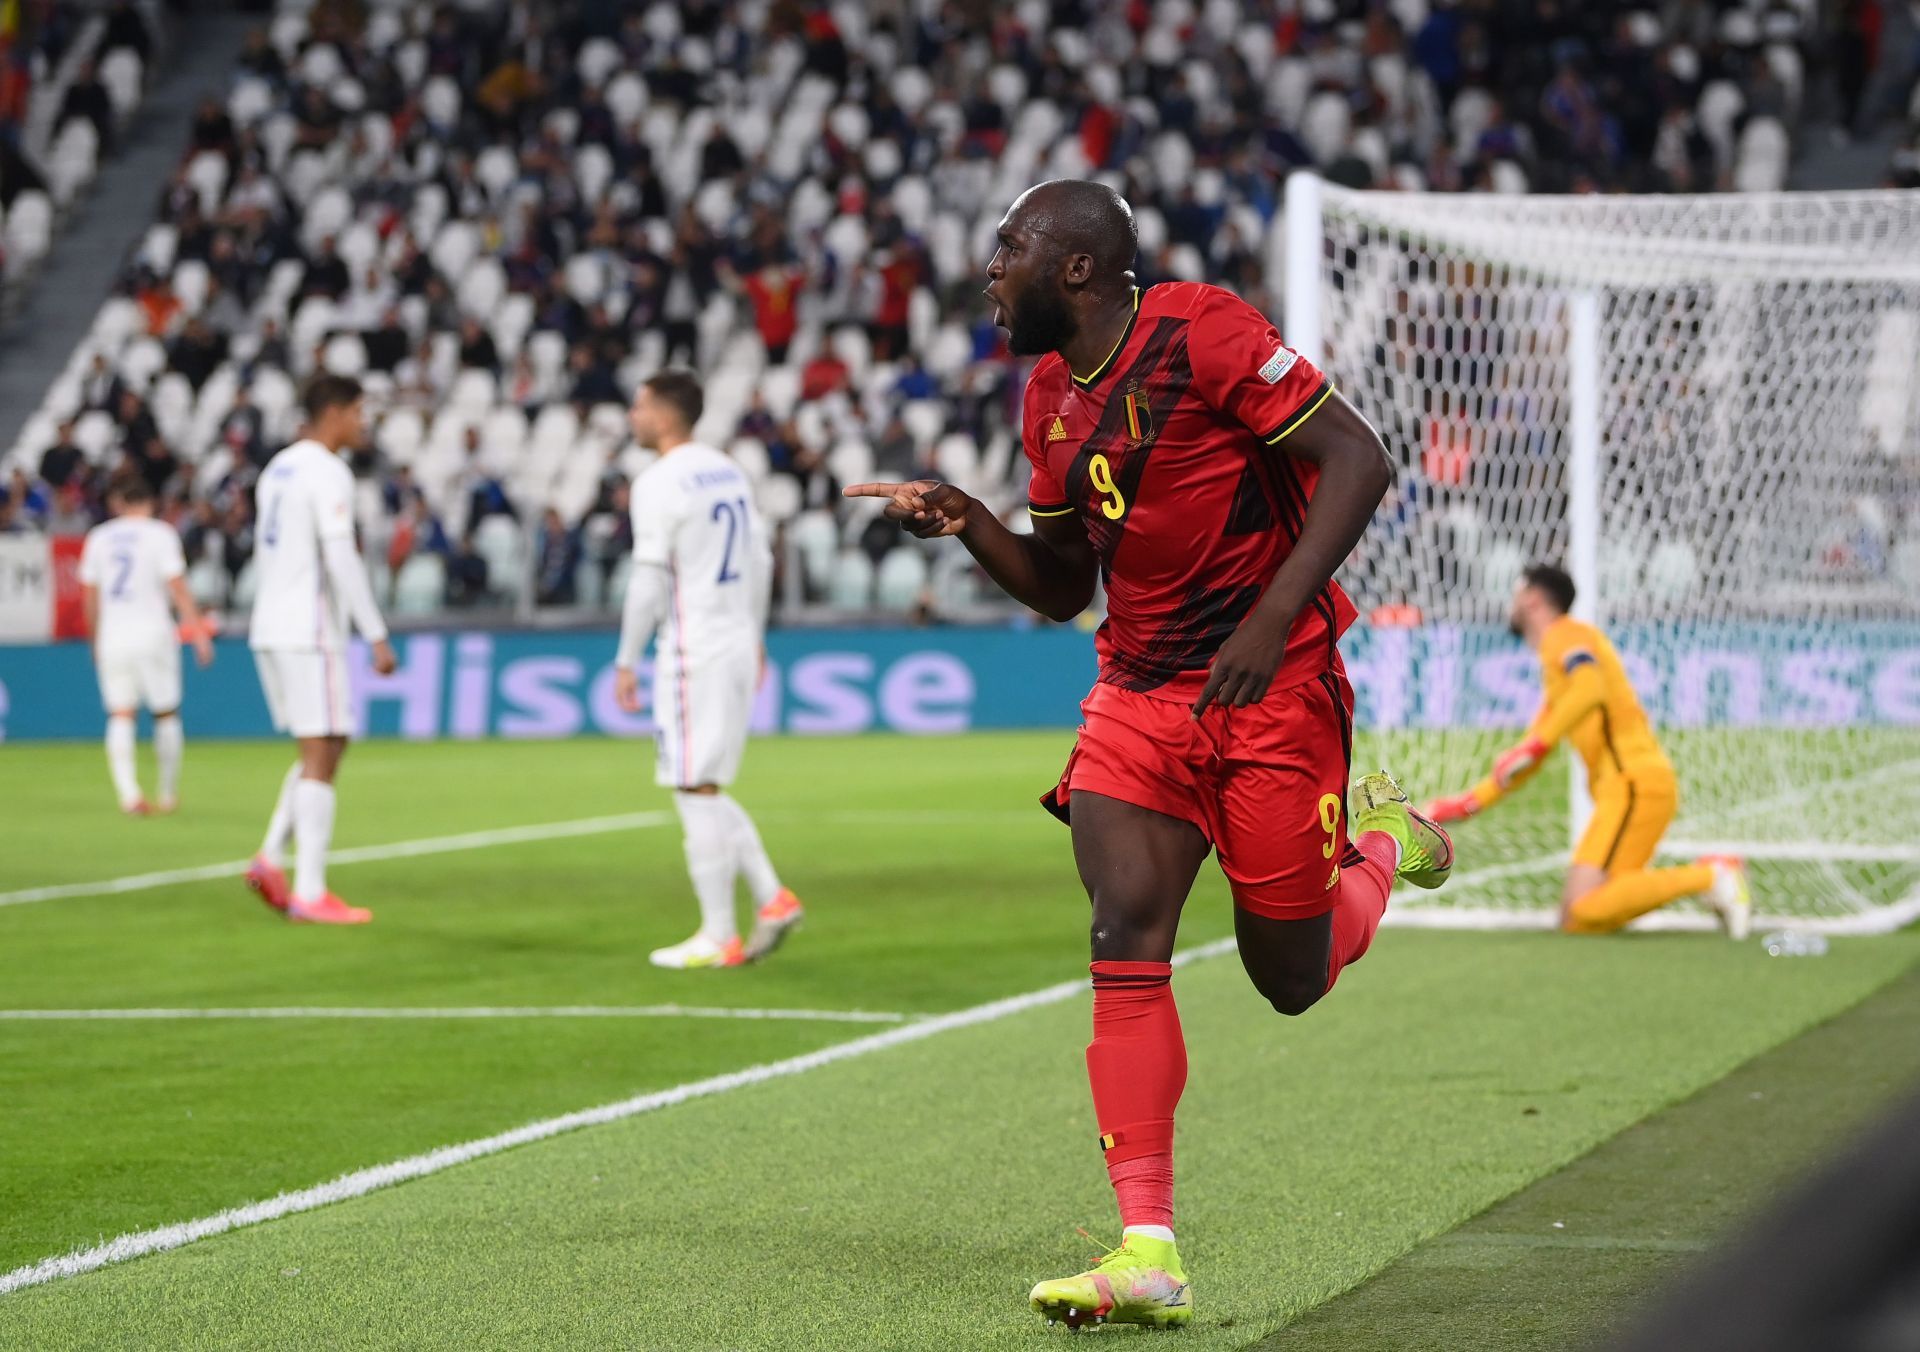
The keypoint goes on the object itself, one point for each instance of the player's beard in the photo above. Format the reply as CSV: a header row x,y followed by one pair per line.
x,y
1041,323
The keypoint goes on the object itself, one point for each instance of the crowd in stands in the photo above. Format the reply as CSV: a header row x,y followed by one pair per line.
x,y
502,220
71,77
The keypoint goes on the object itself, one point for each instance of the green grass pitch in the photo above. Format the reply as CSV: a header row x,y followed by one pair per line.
x,y
904,1199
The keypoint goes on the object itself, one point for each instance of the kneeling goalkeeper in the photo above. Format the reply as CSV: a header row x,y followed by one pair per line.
x,y
1590,702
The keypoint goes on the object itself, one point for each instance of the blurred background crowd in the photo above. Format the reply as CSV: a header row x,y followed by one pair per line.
x,y
502,219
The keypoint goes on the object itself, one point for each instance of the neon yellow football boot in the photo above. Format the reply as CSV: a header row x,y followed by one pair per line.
x,y
1141,1282
1426,851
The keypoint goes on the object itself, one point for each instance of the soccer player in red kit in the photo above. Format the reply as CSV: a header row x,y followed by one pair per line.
x,y
1214,480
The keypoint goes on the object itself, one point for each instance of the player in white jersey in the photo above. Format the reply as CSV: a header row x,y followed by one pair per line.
x,y
702,575
132,578
309,586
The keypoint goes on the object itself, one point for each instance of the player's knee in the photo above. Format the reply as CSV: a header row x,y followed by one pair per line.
x,y
1292,994
1127,922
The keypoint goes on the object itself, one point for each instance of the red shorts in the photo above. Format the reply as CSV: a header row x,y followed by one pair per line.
x,y
1266,784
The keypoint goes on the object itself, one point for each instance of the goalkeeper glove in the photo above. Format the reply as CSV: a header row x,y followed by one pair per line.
x,y
1444,810
1516,761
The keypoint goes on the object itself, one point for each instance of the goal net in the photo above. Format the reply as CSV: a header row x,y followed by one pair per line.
x,y
1708,409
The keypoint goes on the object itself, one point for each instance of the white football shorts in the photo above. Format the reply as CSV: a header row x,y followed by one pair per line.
x,y
135,678
701,713
307,691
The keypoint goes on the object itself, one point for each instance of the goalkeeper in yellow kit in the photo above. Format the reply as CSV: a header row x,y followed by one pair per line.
x,y
1590,702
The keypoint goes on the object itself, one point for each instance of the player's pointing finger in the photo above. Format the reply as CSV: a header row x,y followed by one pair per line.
x,y
872,490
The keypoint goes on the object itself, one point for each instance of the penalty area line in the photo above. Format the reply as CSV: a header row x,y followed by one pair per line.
x,y
359,854
363,1181
459,1012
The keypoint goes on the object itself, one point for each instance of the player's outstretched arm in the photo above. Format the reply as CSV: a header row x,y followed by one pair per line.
x,y
1355,474
1051,571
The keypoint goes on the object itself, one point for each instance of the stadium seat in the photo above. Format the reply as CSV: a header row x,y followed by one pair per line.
x,y
1762,157
1721,104
598,59
345,355
902,578
850,581
141,361
420,587
926,419
249,101
73,161
244,583
29,229
207,172
440,101
592,171
454,248
589,585
96,434
500,541
626,97
813,537
617,578
1672,571
751,456
851,462
191,282
482,287
122,71
172,407
207,580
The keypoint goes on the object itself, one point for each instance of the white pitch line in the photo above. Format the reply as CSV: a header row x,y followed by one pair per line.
x,y
459,1012
360,854
363,1181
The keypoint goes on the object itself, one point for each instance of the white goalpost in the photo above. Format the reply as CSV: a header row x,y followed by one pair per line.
x,y
1708,410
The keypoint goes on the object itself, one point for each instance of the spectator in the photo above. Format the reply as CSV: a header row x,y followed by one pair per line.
x,y
914,381
64,459
159,306
212,129
477,351
826,374
27,500
101,387
593,381
197,352
156,464
87,100
773,290
241,432
326,273
475,492
137,426
557,553
466,576
387,342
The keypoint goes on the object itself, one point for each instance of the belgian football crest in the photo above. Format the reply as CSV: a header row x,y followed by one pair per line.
x,y
1139,416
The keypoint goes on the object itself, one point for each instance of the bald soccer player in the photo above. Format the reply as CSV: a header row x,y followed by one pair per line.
x,y
1214,479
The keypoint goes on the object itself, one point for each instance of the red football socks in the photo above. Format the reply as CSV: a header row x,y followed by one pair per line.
x,y
1137,1064
1362,900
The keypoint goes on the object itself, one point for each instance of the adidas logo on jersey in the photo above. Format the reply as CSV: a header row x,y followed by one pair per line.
x,y
1057,432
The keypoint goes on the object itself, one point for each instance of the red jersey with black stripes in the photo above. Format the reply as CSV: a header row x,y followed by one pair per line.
x,y
1173,452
